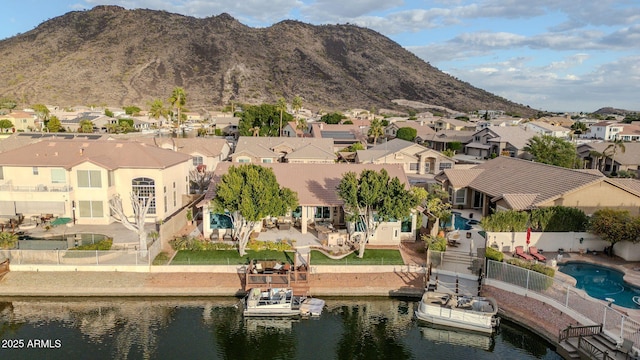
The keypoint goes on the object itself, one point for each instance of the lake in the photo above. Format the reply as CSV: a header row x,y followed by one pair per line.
x,y
214,328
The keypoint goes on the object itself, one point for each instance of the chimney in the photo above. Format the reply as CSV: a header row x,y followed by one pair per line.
x,y
81,151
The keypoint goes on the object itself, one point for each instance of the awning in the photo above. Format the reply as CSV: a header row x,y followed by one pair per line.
x,y
61,221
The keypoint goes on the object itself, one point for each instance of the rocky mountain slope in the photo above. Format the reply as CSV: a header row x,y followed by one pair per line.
x,y
112,56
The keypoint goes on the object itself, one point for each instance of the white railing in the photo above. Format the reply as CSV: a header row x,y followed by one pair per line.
x,y
566,297
77,257
37,188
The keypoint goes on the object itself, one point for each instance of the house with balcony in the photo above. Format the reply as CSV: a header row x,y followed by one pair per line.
x,y
414,158
507,183
319,203
266,150
499,140
77,178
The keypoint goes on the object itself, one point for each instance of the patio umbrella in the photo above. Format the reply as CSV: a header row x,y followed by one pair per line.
x,y
528,236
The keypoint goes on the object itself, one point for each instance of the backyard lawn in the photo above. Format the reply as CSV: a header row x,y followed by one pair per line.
x,y
226,257
371,257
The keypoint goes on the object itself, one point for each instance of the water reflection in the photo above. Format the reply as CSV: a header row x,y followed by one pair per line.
x,y
360,328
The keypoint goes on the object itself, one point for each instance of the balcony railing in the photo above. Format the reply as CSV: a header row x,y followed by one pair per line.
x,y
37,188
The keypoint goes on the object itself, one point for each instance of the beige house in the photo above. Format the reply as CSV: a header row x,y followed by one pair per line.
x,y
267,150
342,135
414,158
423,129
77,179
506,183
543,128
21,120
629,160
452,124
499,140
319,202
203,151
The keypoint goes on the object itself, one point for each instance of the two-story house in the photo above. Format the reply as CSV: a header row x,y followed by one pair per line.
x,y
498,140
543,128
423,130
414,158
78,178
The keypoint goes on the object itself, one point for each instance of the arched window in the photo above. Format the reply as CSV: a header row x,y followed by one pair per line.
x,y
145,188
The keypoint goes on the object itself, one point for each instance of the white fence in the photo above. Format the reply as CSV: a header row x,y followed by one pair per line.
x,y
567,298
78,257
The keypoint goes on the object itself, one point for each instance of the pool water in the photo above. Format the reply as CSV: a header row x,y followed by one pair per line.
x,y
601,282
220,221
459,222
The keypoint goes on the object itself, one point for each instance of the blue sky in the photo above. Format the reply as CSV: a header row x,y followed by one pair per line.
x,y
556,55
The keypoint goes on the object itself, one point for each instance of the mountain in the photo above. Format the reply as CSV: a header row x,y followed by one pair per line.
x,y
112,56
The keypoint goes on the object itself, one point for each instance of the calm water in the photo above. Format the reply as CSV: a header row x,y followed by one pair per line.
x,y
213,328
602,282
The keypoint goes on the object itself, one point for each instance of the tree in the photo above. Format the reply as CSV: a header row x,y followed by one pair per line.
x,y
5,125
597,158
54,124
615,145
42,114
85,126
178,100
249,193
265,117
455,146
200,178
354,147
376,130
301,125
108,112
7,103
296,105
552,150
282,107
579,128
437,207
615,225
373,198
140,207
158,110
332,118
407,133
132,110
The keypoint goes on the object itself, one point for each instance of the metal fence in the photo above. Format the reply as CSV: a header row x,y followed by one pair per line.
x,y
615,323
455,262
77,257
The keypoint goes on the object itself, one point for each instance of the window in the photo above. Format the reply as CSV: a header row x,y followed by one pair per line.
x,y
244,160
460,196
414,166
174,199
476,138
322,212
58,176
405,225
35,170
1,173
445,165
90,209
267,161
111,179
197,160
89,178
145,190
165,203
427,167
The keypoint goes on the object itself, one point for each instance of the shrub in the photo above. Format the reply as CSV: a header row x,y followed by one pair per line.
x,y
186,243
8,240
257,245
505,221
493,254
436,243
161,259
407,133
103,245
537,267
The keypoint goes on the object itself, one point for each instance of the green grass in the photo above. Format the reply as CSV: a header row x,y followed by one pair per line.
x,y
161,259
371,257
225,257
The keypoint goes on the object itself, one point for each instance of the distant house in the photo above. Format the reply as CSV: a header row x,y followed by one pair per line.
x,y
203,151
629,160
506,183
499,140
543,128
22,121
452,124
414,158
424,131
226,124
440,141
316,186
77,179
266,150
291,130
342,135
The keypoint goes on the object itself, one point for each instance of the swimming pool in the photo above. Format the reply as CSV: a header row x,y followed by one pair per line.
x,y
459,222
601,282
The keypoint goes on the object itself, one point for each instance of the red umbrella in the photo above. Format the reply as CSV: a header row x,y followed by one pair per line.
x,y
528,235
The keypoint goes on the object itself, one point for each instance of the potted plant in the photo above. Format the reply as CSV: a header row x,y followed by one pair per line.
x,y
189,216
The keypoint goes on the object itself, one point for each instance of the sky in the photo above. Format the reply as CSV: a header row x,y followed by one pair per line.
x,y
553,55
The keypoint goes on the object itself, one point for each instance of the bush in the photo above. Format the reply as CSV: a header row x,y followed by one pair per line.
x,y
186,243
436,243
8,240
537,267
257,245
161,259
493,254
407,133
100,245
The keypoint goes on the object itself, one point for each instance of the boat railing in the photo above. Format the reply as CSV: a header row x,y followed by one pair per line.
x,y
591,350
579,331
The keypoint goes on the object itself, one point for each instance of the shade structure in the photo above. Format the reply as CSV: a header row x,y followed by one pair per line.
x,y
528,235
61,221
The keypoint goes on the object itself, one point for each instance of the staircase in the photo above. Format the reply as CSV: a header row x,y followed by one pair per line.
x,y
588,342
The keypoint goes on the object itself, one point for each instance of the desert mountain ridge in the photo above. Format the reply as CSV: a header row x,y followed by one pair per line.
x,y
112,56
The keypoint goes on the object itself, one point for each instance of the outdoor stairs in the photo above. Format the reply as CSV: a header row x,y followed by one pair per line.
x,y
601,341
458,258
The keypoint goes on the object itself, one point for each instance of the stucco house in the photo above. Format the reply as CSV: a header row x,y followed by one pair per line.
x,y
261,149
611,130
77,178
543,128
342,135
21,120
506,183
629,160
440,141
319,202
452,124
203,151
424,131
414,158
498,140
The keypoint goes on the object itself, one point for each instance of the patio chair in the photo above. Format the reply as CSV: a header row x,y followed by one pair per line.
x,y
520,253
533,251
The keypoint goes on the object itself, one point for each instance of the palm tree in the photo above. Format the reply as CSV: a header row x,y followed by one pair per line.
x,y
615,145
85,126
301,124
296,104
158,109
178,100
376,130
282,107
255,130
597,157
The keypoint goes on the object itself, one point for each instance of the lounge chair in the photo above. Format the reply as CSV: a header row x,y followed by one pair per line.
x,y
533,251
520,253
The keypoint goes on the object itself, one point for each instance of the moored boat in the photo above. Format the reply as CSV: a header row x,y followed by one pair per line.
x,y
273,302
461,311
